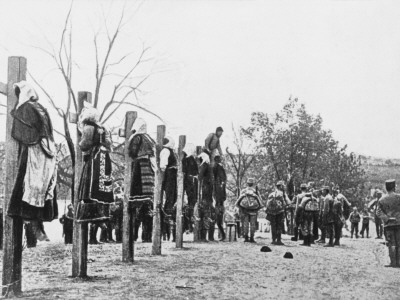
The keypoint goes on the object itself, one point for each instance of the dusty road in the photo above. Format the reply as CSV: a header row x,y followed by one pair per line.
x,y
215,271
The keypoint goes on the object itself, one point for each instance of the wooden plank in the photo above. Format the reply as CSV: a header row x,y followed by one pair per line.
x,y
196,229
156,246
128,225
12,242
3,89
80,234
179,206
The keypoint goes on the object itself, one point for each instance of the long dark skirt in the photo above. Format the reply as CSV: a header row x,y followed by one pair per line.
x,y
170,187
21,209
142,183
95,191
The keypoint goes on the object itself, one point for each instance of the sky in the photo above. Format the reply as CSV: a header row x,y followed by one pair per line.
x,y
213,63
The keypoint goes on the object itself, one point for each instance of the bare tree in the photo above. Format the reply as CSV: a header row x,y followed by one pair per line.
x,y
125,88
240,162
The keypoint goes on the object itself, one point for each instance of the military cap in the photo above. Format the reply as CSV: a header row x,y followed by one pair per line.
x,y
288,255
303,186
280,182
326,188
390,184
379,192
250,180
265,249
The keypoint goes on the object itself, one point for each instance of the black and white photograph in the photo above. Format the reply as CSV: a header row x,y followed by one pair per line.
x,y
200,149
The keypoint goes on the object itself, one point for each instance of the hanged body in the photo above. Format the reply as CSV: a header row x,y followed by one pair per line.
x,y
34,196
142,152
95,192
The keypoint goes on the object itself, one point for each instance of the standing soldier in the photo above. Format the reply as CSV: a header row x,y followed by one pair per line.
x,y
328,215
219,194
339,220
190,171
305,217
249,203
67,220
212,144
365,222
378,221
169,166
277,201
389,212
296,202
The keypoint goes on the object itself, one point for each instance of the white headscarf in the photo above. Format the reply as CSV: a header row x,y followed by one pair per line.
x,y
27,92
170,144
204,158
88,114
138,127
190,150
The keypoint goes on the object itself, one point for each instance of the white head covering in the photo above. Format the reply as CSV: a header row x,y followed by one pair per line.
x,y
88,114
27,92
205,158
138,127
171,143
190,149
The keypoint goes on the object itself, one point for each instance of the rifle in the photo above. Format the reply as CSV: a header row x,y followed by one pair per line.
x,y
285,212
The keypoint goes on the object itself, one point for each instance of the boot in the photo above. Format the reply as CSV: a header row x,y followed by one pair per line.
x,y
109,234
311,240
337,242
92,235
305,241
103,236
397,249
301,237
38,231
330,242
246,239
211,233
296,235
223,236
252,239
279,240
392,256
321,241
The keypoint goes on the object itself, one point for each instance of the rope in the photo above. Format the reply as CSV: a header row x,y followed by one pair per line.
x,y
8,287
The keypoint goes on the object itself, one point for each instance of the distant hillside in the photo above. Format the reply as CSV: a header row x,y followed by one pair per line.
x,y
380,169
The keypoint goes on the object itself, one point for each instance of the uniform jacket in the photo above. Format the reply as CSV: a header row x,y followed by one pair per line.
x,y
389,207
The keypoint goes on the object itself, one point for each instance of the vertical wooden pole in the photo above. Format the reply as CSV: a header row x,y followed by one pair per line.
x,y
80,234
128,226
196,229
156,247
12,243
179,206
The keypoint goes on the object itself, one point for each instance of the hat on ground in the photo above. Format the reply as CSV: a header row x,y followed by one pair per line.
x,y
288,255
250,181
265,249
280,182
390,184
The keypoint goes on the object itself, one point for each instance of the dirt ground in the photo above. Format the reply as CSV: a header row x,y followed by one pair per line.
x,y
215,270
